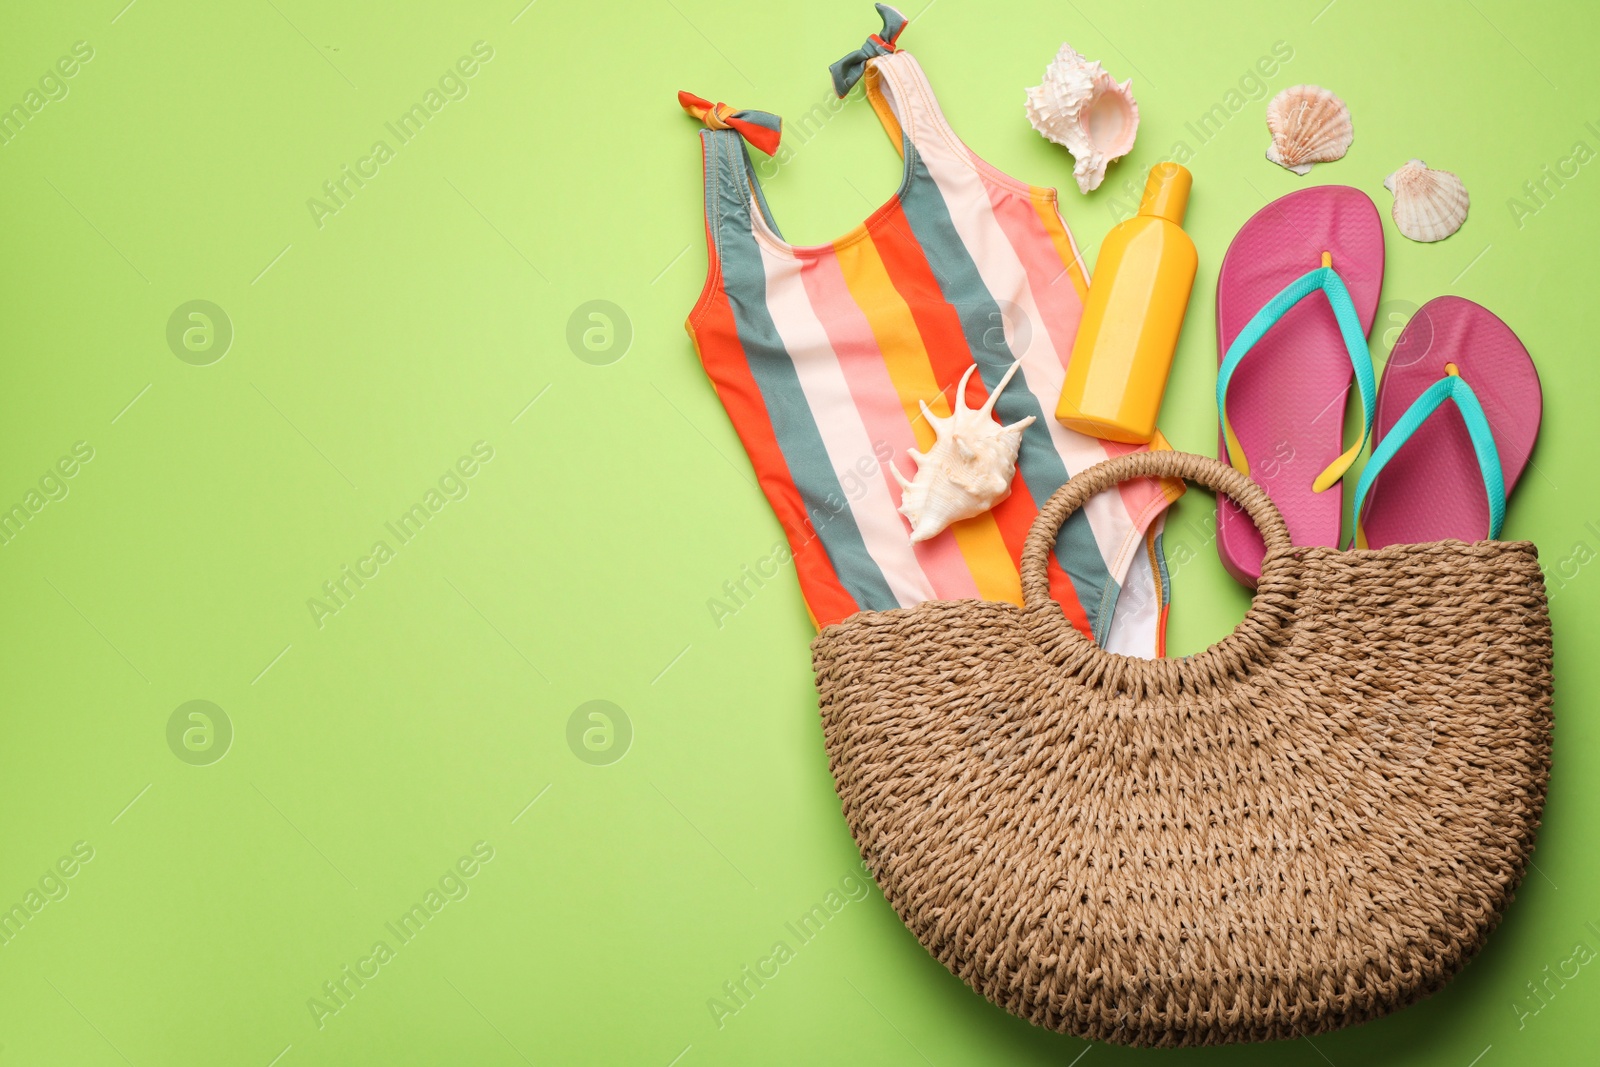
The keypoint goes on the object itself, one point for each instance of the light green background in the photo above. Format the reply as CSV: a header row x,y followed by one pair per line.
x,y
372,753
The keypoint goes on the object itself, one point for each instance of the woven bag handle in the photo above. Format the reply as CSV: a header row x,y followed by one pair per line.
x,y
1160,463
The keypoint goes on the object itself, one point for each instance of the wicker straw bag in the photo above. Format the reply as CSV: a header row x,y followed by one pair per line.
x,y
1315,821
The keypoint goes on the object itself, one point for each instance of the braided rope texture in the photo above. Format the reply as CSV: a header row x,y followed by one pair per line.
x,y
1314,822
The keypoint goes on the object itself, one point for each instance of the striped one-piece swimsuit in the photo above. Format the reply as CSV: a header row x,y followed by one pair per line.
x,y
821,355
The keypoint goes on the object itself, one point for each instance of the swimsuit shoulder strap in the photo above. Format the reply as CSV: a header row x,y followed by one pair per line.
x,y
898,90
731,187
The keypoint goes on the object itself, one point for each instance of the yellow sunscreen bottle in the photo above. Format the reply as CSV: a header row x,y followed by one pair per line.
x,y
1137,298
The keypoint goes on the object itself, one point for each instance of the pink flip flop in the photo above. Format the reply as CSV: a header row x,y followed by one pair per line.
x,y
1429,459
1282,413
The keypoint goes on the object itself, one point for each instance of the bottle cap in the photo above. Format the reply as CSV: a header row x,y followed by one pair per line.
x,y
1166,193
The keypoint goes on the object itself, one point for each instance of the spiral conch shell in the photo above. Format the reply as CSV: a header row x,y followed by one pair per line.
x,y
969,468
1429,205
1080,106
1309,125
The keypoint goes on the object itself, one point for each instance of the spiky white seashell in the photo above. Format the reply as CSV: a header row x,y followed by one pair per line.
x,y
1080,106
1308,125
969,468
1429,205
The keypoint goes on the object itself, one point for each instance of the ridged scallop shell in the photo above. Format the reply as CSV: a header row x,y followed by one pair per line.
x,y
1308,125
1080,106
1429,205
969,468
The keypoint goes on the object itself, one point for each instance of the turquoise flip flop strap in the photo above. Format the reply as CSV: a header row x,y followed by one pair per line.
x,y
1450,387
1355,342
